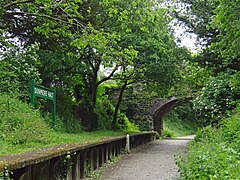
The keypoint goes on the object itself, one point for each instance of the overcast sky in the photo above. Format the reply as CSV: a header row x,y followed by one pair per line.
x,y
187,40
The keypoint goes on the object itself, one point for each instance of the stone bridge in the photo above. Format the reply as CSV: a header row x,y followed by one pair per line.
x,y
161,107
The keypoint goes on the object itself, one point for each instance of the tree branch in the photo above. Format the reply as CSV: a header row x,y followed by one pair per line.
x,y
91,64
107,78
71,16
15,3
44,16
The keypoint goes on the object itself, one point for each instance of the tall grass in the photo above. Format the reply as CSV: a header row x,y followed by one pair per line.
x,y
22,129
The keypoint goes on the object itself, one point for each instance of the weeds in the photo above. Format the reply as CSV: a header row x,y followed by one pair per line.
x,y
215,153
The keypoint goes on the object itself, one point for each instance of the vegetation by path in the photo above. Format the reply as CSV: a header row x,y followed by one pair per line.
x,y
24,129
215,153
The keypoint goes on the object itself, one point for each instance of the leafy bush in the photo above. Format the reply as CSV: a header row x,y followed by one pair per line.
x,y
205,133
210,161
105,111
67,120
167,133
17,68
19,123
125,125
235,83
215,153
215,99
8,79
104,108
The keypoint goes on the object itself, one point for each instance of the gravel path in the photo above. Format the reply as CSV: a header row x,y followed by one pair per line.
x,y
154,161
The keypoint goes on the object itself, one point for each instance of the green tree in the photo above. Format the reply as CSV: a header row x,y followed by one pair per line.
x,y
217,20
17,68
227,22
131,39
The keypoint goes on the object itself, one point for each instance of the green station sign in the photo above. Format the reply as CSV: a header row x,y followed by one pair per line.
x,y
45,93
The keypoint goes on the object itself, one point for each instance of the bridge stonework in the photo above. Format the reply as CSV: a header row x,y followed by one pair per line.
x,y
159,109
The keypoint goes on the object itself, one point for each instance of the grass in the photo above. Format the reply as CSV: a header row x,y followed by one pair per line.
x,y
58,138
178,128
179,122
24,129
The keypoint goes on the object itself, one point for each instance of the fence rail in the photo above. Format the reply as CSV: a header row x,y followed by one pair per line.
x,y
70,161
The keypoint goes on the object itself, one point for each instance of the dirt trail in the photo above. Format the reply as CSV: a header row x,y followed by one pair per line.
x,y
154,161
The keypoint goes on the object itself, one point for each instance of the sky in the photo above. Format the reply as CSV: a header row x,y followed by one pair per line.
x,y
186,39
182,37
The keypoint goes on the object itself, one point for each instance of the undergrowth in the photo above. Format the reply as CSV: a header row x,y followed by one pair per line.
x,y
179,122
215,153
20,124
22,128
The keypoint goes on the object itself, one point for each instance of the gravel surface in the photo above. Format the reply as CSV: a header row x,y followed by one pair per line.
x,y
154,161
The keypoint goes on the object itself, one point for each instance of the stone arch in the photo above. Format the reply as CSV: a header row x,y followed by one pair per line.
x,y
159,109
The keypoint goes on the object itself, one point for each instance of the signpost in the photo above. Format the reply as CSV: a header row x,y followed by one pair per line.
x,y
45,93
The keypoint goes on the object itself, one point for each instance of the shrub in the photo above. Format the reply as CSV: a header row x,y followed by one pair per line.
x,y
17,68
167,133
210,161
215,153
215,99
67,119
105,111
124,124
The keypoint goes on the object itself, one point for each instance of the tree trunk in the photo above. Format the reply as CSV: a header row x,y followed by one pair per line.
x,y
114,122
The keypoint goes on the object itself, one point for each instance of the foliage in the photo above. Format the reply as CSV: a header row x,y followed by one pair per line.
x,y
235,84
19,122
104,108
125,125
215,99
67,121
180,121
167,133
17,68
8,80
80,38
227,21
192,76
215,152
196,15
216,22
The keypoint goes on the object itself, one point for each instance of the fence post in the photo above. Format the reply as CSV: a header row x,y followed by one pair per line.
x,y
128,143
